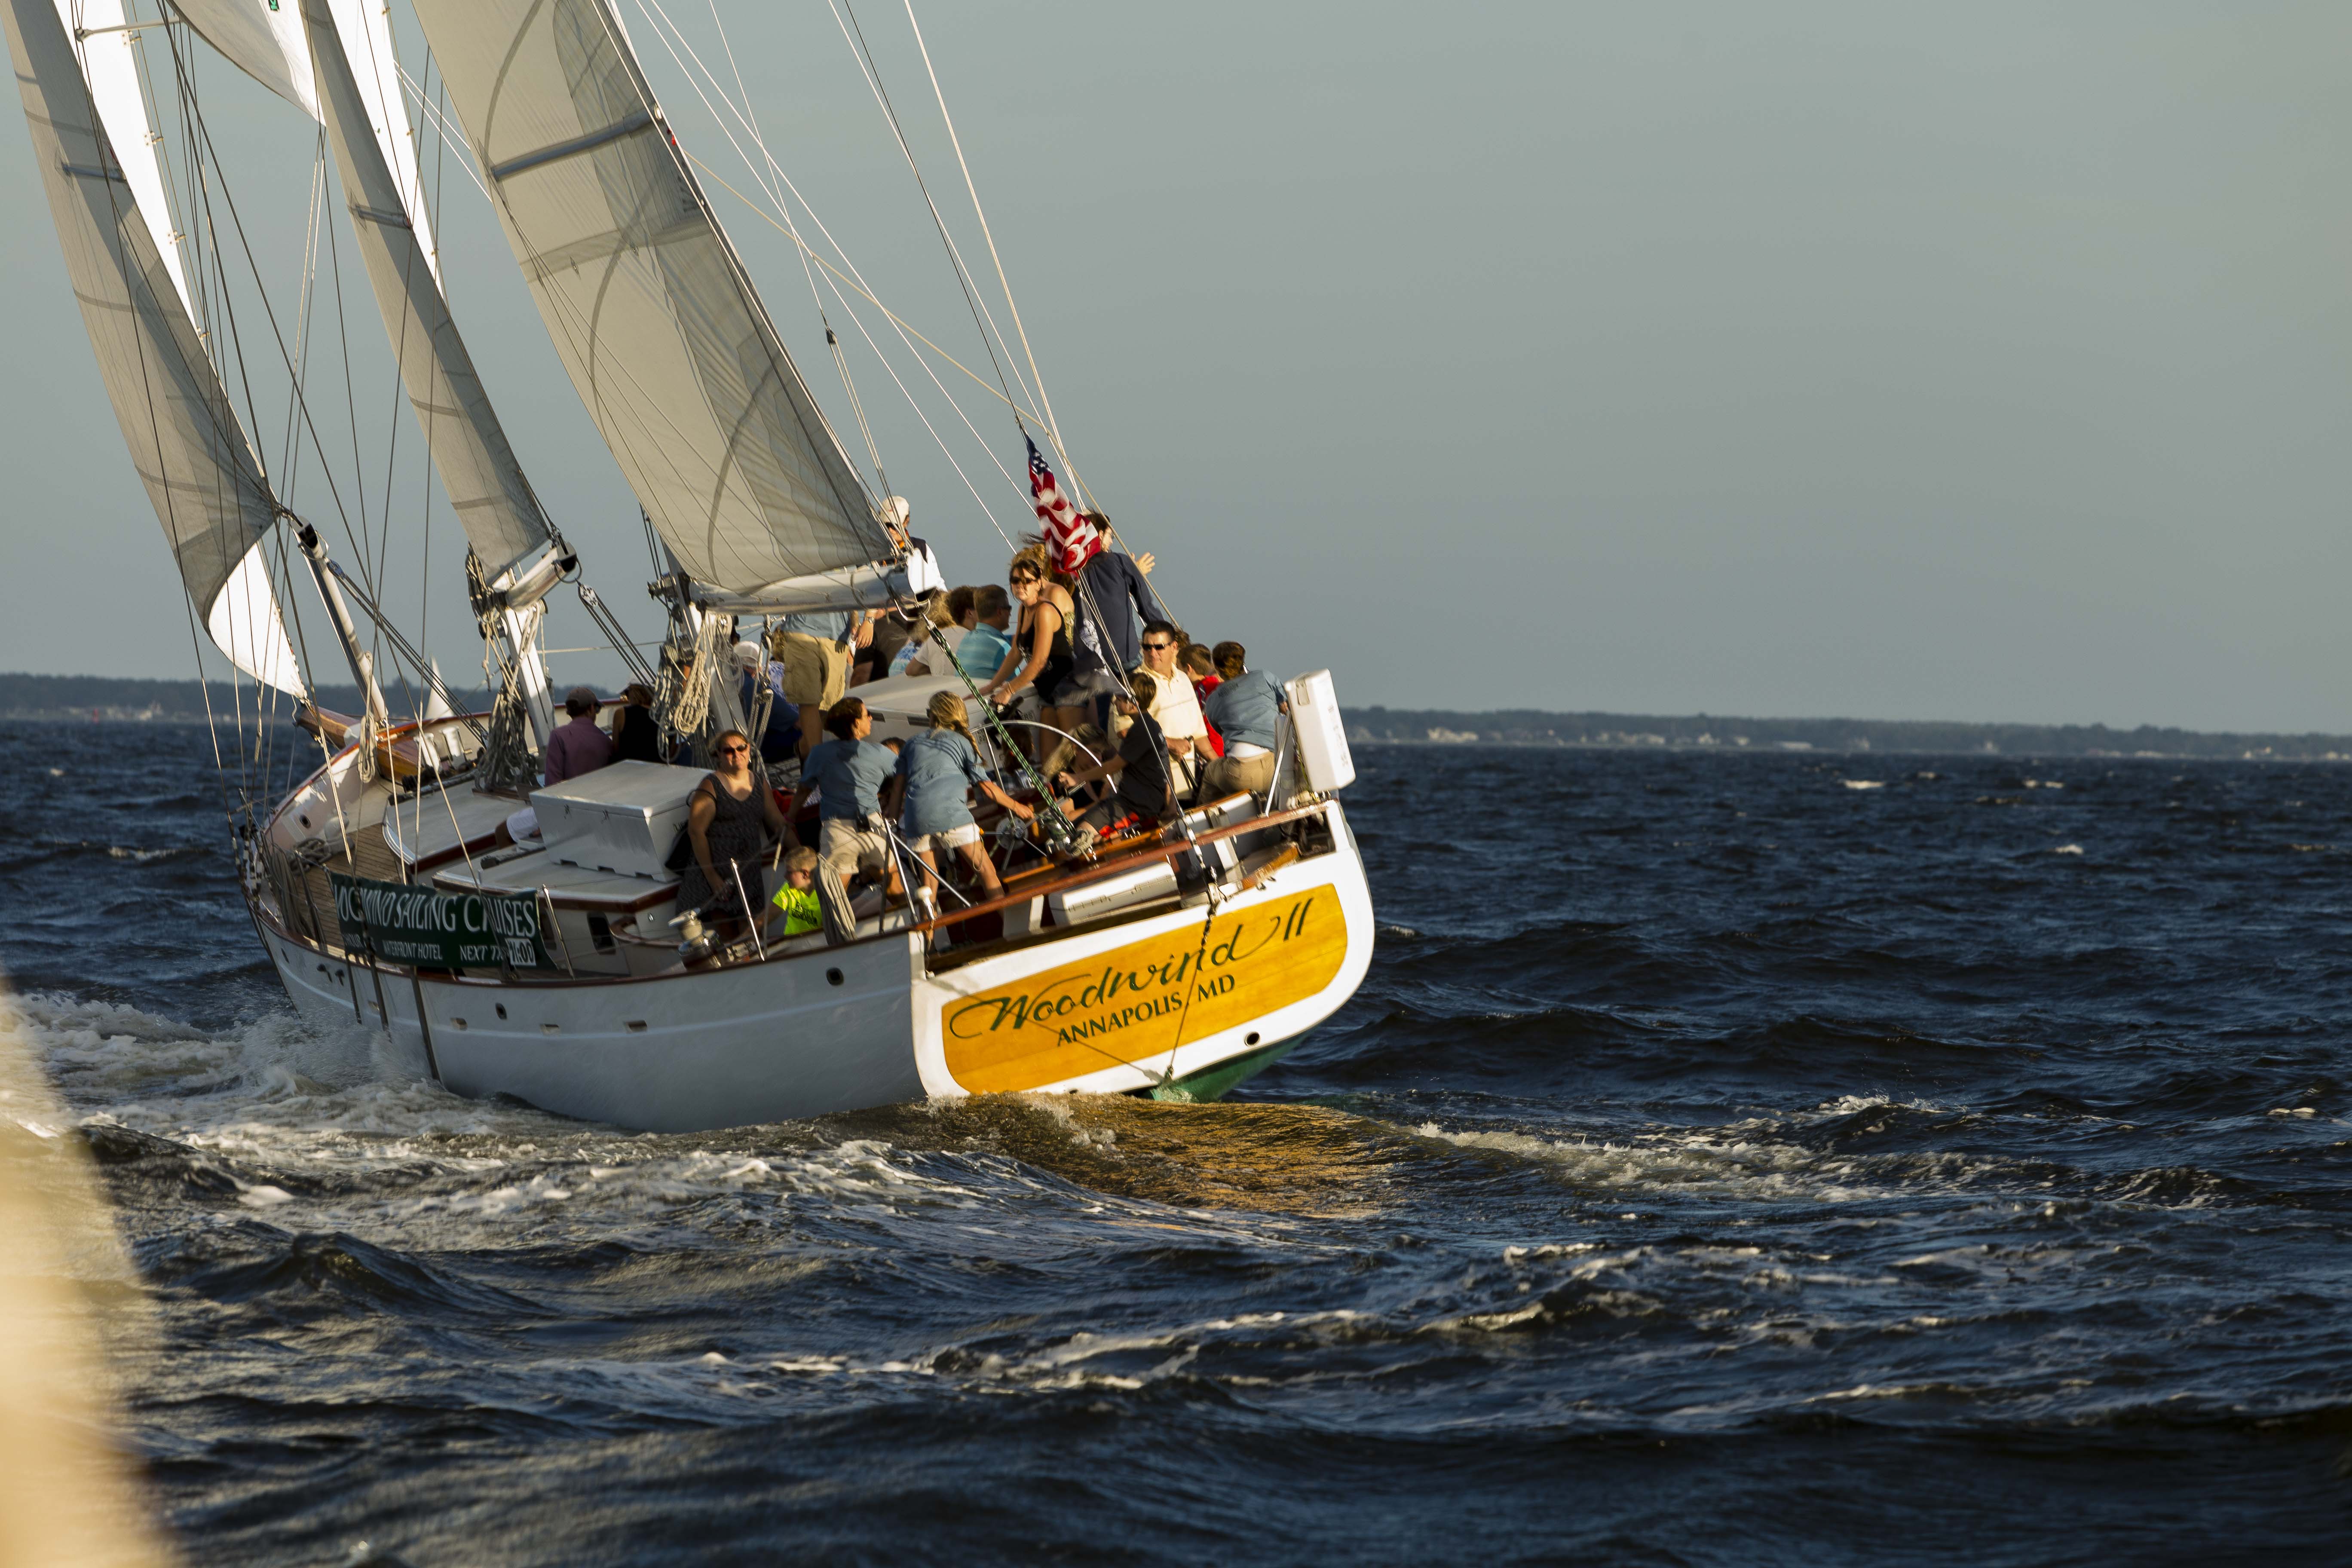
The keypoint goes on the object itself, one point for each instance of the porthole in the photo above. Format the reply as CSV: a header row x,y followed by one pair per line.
x,y
635,1026
835,977
550,1028
1253,1038
502,1009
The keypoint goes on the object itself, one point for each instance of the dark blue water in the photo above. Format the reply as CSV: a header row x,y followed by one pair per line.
x,y
1722,1163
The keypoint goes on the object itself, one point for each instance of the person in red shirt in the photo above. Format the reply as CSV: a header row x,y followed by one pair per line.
x,y
1201,666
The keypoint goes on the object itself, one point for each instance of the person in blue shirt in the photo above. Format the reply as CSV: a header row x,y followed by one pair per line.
x,y
988,640
1247,709
938,771
846,774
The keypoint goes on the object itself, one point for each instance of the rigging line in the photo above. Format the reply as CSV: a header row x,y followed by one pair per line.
x,y
1036,379
293,448
750,119
237,222
978,308
859,289
425,557
808,254
445,130
1052,428
351,407
856,408
665,27
926,419
186,90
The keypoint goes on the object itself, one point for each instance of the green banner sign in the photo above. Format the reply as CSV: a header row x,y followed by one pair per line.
x,y
405,924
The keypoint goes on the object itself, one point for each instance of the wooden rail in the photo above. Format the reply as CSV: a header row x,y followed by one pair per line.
x,y
1128,863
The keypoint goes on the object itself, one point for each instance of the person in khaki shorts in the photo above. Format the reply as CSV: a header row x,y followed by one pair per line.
x,y
848,772
814,651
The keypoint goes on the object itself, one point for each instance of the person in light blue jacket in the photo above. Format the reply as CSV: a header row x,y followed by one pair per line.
x,y
1247,709
938,771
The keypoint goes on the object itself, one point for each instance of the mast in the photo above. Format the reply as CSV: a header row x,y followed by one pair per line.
x,y
347,633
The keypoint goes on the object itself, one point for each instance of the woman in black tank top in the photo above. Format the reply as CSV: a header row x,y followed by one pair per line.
x,y
1040,656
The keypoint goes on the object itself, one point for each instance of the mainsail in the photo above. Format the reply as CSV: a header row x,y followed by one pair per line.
x,y
486,485
647,302
184,436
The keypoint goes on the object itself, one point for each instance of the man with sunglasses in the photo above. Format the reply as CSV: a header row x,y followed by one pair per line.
x,y
1176,707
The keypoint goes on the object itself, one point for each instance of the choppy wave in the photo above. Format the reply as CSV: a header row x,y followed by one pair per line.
x,y
1717,1166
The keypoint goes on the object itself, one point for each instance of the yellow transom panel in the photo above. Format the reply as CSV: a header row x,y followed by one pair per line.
x,y
1141,1000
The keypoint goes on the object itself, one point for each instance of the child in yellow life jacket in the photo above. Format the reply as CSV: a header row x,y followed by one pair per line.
x,y
796,900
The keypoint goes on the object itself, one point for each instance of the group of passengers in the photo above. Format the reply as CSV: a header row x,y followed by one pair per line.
x,y
1131,721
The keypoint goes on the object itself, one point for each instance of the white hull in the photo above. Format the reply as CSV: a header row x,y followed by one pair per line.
x,y
877,1022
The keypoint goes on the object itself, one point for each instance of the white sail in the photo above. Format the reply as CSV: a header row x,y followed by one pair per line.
x,y
266,39
485,485
184,436
645,297
263,40
110,68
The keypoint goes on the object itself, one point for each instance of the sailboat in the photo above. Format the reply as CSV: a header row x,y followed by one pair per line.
x,y
390,885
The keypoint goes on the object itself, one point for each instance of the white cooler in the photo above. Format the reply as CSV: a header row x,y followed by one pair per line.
x,y
1322,736
623,818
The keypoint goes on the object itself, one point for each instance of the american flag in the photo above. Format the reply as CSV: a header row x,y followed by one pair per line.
x,y
1073,540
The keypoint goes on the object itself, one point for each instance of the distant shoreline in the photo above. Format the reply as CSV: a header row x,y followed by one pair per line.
x,y
82,698
1837,737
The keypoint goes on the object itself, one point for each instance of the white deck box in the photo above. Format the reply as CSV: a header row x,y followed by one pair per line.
x,y
623,818
1322,736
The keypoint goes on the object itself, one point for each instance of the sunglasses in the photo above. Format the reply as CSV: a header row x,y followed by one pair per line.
x,y
1157,647
734,750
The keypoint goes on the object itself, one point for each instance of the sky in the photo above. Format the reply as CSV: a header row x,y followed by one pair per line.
x,y
1884,360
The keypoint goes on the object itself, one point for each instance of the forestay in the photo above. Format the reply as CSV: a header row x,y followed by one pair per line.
x,y
645,297
184,436
486,485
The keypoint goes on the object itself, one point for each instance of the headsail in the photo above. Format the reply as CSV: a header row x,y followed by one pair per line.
x,y
645,300
184,436
104,45
264,42
501,517
273,47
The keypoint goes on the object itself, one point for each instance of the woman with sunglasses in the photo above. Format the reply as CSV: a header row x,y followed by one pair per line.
x,y
729,822
1044,633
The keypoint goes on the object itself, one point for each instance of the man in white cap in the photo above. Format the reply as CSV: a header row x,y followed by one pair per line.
x,y
775,740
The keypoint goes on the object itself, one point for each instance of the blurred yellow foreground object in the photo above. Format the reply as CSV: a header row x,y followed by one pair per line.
x,y
68,1494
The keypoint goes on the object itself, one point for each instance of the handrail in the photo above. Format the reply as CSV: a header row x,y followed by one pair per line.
x,y
1127,862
